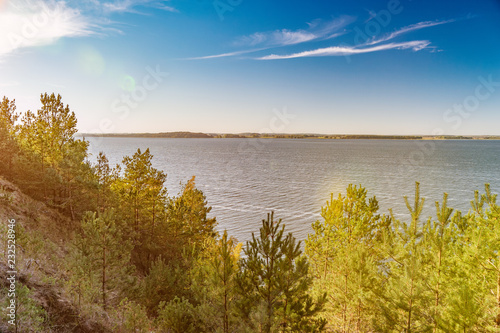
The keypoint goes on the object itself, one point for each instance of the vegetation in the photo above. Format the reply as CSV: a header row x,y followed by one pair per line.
x,y
107,249
185,135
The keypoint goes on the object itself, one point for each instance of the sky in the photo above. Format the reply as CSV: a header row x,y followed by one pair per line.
x,y
398,67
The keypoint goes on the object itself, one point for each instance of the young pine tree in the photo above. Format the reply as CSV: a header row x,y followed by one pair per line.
x,y
274,283
8,133
482,254
345,256
214,284
102,258
406,305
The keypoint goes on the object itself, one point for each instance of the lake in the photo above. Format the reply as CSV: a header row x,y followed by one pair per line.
x,y
244,179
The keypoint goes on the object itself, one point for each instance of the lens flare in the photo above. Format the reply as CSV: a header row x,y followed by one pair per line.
x,y
127,83
91,61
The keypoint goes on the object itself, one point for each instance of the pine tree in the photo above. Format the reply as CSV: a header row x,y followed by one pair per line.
x,y
482,253
274,283
345,257
47,136
438,239
214,284
104,257
407,299
142,202
187,223
8,133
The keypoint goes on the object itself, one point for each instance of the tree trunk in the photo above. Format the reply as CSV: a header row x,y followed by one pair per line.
x,y
408,323
104,276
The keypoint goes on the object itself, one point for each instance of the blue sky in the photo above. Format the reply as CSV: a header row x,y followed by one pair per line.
x,y
364,67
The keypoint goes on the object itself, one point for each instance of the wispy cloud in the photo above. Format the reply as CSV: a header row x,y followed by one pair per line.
x,y
349,50
318,29
407,29
131,6
27,24
30,23
229,54
259,41
374,45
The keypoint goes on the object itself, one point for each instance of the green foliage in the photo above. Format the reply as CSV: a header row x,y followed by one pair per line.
x,y
8,132
30,316
407,300
163,282
214,284
481,263
142,202
362,271
132,318
188,217
274,283
101,259
178,316
345,254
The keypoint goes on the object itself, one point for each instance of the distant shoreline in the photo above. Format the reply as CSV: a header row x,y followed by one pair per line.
x,y
188,135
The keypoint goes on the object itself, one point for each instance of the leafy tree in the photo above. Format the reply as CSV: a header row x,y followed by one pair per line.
x,y
274,283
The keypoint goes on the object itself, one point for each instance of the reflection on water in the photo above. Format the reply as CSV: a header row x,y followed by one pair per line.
x,y
243,179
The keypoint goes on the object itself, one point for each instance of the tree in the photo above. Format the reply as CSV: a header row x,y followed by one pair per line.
x,y
105,177
8,133
47,137
439,238
103,257
178,316
274,283
345,257
406,304
214,284
142,201
481,246
187,226
50,130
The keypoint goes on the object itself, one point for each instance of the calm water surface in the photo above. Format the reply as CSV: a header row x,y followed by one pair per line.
x,y
243,179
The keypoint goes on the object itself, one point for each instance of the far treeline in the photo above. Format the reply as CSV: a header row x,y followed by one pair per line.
x,y
137,259
287,136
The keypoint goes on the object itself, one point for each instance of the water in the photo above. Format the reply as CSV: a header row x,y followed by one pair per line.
x,y
244,179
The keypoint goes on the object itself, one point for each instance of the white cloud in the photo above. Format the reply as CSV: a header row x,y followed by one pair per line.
x,y
318,29
410,28
376,44
349,50
27,24
31,23
129,6
222,55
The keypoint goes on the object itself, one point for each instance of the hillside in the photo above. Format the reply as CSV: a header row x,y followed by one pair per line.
x,y
40,253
